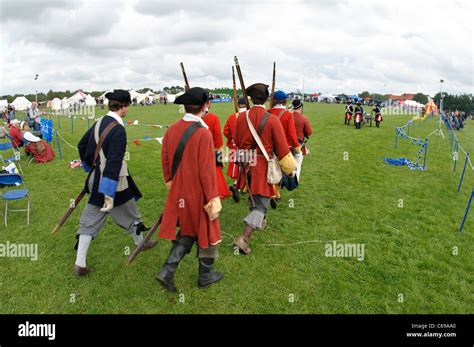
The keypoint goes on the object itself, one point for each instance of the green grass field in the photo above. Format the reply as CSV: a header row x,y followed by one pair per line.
x,y
408,250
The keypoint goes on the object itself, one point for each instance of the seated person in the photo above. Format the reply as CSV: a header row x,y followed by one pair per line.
x,y
35,114
40,149
15,133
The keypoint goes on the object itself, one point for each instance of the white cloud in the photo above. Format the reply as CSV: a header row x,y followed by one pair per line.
x,y
336,46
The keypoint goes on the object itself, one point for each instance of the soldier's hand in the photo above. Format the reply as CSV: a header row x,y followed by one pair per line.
x,y
108,204
168,184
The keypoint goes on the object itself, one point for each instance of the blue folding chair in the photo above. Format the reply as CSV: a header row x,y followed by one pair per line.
x,y
14,194
5,146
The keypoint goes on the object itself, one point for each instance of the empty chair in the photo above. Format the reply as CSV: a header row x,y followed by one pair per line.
x,y
14,194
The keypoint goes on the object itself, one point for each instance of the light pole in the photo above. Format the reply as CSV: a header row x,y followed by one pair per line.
x,y
36,92
441,96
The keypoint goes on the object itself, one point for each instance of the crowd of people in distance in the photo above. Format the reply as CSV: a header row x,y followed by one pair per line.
x,y
27,134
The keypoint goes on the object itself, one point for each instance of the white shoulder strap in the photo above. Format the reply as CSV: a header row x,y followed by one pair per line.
x,y
256,137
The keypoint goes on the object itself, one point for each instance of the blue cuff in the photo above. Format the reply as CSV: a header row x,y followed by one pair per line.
x,y
86,167
108,187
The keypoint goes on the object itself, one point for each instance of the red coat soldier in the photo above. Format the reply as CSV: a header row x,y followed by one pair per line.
x,y
288,123
254,174
193,202
348,113
303,131
229,131
214,125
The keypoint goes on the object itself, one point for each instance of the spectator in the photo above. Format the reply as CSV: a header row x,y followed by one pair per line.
x,y
11,111
35,114
15,133
41,151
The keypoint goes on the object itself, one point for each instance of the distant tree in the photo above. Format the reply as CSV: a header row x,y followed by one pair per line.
x,y
364,95
420,98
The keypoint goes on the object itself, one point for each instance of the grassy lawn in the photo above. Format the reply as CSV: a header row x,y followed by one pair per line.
x,y
408,249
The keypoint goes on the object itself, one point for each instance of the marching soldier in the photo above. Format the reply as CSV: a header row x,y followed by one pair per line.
x,y
193,202
303,131
214,125
112,190
286,118
359,111
254,175
378,115
229,131
348,113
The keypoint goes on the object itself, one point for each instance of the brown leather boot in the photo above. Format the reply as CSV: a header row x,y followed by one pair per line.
x,y
243,241
81,271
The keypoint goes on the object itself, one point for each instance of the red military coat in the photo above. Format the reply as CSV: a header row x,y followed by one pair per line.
x,y
288,123
271,137
229,131
214,125
193,186
303,128
47,154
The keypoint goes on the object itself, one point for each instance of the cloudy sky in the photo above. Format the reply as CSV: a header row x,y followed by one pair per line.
x,y
327,46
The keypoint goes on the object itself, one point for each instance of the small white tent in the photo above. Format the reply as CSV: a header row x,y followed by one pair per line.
x,y
3,105
90,100
78,96
106,101
56,104
64,103
21,103
326,97
172,97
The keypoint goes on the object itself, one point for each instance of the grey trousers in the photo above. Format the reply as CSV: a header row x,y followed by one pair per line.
x,y
188,242
92,220
258,212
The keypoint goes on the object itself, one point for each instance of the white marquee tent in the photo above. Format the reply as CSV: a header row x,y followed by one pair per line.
x,y
90,101
56,104
21,103
78,96
3,105
326,97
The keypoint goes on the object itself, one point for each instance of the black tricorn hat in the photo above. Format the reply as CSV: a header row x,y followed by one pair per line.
x,y
241,101
119,95
258,90
193,96
297,104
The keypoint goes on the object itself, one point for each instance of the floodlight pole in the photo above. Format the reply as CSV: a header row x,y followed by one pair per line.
x,y
441,96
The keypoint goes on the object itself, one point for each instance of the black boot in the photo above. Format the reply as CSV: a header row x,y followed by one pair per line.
x,y
165,276
206,275
235,193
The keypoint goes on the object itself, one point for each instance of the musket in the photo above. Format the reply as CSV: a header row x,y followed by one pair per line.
x,y
273,85
78,199
247,105
141,245
236,106
69,212
186,83
242,85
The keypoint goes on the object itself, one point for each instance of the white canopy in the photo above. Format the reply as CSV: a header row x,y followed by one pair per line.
x,y
328,97
64,103
56,104
21,103
3,104
90,100
172,97
413,103
78,96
